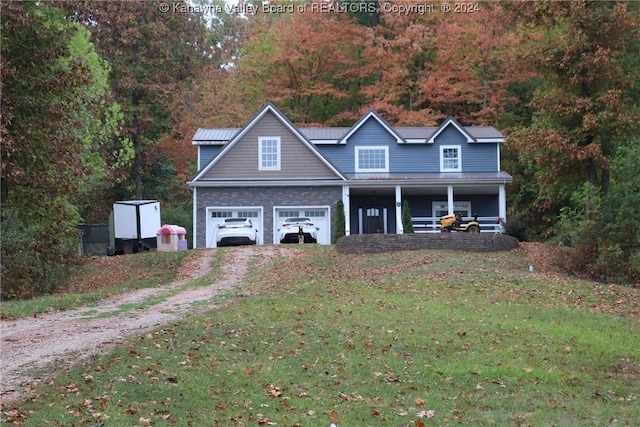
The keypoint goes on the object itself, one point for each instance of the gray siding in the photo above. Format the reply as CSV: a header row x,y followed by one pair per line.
x,y
267,197
297,160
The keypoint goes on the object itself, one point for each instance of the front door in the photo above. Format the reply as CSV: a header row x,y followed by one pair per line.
x,y
373,220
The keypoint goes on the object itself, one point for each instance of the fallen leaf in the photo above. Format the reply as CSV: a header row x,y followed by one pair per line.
x,y
427,414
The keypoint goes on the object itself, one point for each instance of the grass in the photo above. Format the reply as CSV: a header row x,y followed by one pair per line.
x,y
401,339
104,277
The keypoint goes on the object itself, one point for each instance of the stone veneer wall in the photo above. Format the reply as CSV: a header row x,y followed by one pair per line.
x,y
267,198
375,243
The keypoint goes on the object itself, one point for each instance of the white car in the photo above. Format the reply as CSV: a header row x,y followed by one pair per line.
x,y
292,227
236,231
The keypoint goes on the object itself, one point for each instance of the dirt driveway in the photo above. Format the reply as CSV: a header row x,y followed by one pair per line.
x,y
29,345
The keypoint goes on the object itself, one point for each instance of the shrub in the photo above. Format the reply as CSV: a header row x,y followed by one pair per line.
x,y
339,226
517,228
35,258
605,244
407,225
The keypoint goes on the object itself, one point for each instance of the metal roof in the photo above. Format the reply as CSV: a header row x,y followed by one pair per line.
x,y
324,133
205,136
431,176
214,135
483,132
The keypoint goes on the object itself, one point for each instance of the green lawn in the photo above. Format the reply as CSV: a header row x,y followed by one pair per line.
x,y
400,339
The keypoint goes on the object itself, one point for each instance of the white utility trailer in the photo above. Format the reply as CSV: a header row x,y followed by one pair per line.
x,y
133,226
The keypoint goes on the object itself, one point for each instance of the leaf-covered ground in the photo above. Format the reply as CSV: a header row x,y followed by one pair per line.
x,y
407,339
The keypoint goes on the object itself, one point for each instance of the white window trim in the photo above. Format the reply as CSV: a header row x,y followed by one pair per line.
x,y
371,147
278,153
442,168
456,206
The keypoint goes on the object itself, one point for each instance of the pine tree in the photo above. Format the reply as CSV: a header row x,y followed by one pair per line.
x,y
407,225
339,223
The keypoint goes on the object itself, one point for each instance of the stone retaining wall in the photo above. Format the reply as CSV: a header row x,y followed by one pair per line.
x,y
375,243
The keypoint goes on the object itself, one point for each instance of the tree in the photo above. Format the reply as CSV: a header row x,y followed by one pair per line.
x,y
308,64
469,75
153,54
606,244
55,125
575,155
399,59
430,66
584,109
339,226
407,224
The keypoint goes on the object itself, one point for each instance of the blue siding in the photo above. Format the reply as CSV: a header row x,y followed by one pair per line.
x,y
207,153
475,157
341,156
411,157
483,205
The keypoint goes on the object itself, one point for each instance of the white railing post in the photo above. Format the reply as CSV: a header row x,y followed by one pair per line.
x,y
399,225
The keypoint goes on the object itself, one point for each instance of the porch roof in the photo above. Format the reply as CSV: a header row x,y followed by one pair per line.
x,y
436,178
372,184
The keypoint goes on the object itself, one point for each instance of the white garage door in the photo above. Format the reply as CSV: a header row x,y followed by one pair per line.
x,y
215,215
318,214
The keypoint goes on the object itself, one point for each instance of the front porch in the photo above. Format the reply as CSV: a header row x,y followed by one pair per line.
x,y
376,208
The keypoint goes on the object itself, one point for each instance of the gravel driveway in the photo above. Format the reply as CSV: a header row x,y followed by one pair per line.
x,y
30,345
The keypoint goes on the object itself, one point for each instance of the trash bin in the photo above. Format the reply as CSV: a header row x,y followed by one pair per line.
x,y
171,238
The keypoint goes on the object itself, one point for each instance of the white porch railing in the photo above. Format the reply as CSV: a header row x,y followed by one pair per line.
x,y
431,224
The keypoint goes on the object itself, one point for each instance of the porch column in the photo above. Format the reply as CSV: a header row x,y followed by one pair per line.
x,y
450,199
399,225
347,208
195,218
502,203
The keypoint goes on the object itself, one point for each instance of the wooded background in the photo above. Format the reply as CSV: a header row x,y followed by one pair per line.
x,y
100,101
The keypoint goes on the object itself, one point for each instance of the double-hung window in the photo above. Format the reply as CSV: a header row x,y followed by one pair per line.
x,y
372,159
442,208
269,153
450,158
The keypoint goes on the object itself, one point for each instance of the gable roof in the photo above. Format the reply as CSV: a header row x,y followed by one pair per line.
x,y
335,135
238,134
364,119
450,122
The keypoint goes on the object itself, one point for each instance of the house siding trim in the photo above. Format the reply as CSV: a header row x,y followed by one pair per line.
x,y
265,183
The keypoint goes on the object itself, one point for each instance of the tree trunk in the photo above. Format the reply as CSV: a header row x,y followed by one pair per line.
x,y
591,179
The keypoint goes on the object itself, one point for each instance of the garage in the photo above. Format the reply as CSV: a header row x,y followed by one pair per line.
x,y
215,215
319,215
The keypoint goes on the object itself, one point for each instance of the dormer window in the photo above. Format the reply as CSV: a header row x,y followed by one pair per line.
x,y
372,159
450,158
269,153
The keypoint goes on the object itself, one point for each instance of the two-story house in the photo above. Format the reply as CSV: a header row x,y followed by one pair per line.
x,y
271,169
